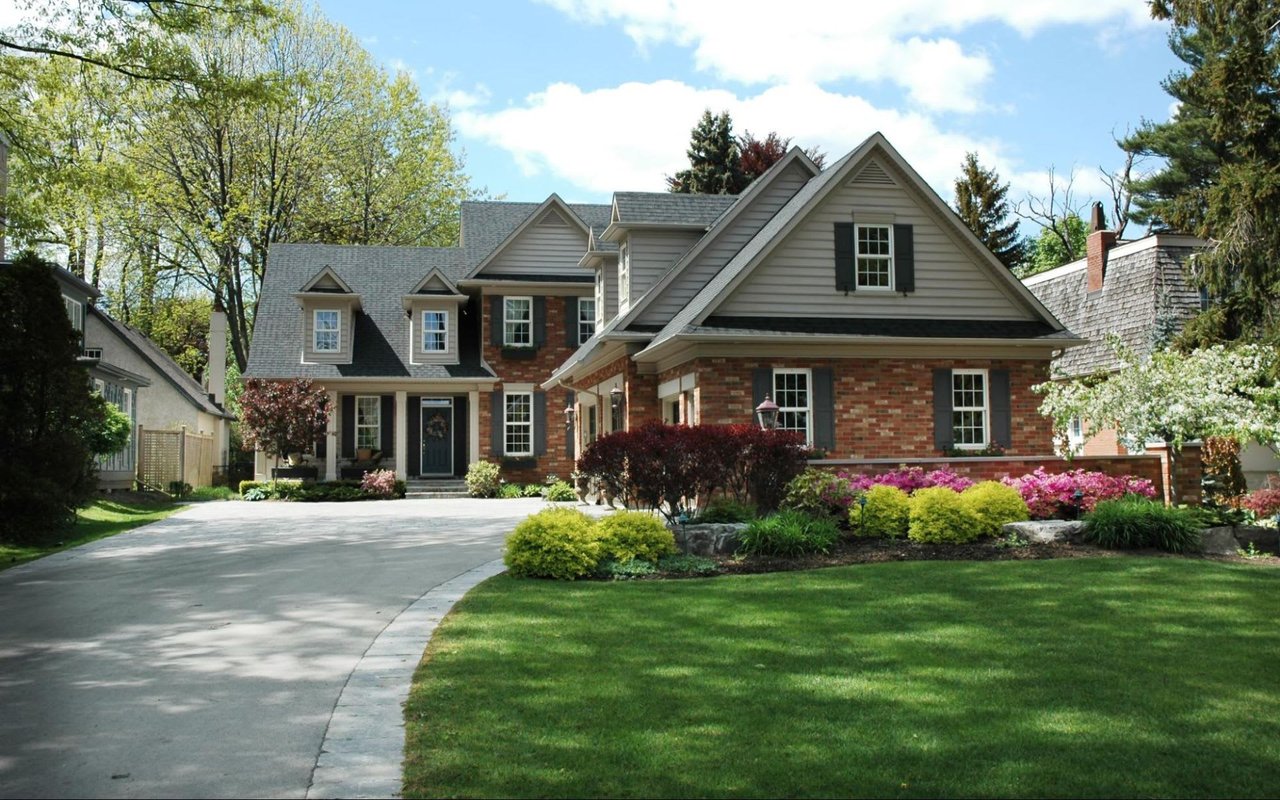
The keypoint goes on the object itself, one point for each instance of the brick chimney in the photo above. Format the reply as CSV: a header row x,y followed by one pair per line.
x,y
1099,242
217,370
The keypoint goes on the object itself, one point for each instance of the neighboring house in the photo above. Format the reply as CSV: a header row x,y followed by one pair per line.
x,y
853,297
1138,291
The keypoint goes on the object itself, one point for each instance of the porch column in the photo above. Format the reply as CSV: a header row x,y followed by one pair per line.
x,y
331,440
402,435
473,426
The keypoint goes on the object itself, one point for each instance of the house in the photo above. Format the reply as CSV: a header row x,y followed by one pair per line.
x,y
853,297
1136,290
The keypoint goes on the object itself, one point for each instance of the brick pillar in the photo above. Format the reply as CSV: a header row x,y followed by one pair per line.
x,y
1180,473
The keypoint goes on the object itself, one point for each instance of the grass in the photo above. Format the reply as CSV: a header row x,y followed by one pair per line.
x,y
203,493
1073,678
98,520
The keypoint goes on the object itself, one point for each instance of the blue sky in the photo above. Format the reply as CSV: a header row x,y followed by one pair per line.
x,y
582,97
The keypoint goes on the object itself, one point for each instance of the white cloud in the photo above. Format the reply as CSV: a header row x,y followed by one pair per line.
x,y
821,41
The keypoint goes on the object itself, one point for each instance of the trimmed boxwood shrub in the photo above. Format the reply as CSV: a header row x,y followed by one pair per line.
x,y
1134,521
561,543
938,515
995,504
789,534
887,513
634,535
484,478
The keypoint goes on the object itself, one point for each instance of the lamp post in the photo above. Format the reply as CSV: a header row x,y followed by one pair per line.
x,y
615,397
767,414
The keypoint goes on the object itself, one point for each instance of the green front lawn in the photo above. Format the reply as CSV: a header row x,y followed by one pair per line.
x,y
1072,678
98,520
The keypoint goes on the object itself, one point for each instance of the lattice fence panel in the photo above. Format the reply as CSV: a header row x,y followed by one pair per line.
x,y
159,457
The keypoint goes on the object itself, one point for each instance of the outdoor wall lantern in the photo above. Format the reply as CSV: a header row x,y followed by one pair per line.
x,y
767,414
615,397
569,415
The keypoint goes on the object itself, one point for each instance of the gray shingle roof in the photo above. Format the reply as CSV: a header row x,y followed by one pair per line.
x,y
668,208
874,326
487,224
1127,305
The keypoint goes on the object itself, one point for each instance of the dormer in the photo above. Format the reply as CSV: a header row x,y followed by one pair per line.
x,y
329,306
433,307
602,259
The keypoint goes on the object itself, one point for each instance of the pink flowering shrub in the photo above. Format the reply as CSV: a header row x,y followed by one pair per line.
x,y
909,479
1048,494
380,482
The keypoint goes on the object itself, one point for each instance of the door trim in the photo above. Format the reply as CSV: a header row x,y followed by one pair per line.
x,y
435,404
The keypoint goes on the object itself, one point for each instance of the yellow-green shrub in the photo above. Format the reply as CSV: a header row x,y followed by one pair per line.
x,y
627,535
995,504
886,513
939,515
560,543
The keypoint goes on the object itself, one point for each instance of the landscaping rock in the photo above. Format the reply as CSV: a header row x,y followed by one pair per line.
x,y
1047,531
1266,540
1219,541
709,540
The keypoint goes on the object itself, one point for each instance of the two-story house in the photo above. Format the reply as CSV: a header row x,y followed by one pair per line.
x,y
853,297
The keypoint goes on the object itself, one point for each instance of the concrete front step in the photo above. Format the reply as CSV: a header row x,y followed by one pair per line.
x,y
435,489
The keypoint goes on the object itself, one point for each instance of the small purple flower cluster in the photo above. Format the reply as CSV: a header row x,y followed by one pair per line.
x,y
1048,494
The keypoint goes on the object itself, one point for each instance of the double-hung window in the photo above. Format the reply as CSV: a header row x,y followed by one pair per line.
x,y
435,331
874,257
518,423
517,322
326,331
792,392
369,422
75,312
969,408
586,318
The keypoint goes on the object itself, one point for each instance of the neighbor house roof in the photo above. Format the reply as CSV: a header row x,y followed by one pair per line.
x,y
666,208
487,225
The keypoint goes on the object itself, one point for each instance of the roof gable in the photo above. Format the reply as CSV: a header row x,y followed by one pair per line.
x,y
326,280
553,218
435,283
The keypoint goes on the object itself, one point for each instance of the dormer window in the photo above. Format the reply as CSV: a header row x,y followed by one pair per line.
x,y
326,332
435,331
874,257
624,276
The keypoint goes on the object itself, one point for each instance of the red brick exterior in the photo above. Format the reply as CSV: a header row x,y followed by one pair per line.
x,y
1096,247
884,406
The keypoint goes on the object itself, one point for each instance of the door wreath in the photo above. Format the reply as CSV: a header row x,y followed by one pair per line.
x,y
437,426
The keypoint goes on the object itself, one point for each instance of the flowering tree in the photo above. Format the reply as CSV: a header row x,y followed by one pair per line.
x,y
282,417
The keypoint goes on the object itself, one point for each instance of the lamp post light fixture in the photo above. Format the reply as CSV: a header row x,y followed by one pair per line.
x,y
569,414
767,414
615,397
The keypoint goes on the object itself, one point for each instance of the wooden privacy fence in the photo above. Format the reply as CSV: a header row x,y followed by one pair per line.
x,y
166,457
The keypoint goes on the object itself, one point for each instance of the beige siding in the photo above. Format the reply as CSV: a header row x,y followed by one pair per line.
x,y
550,245
607,274
653,253
798,278
343,356
420,356
728,242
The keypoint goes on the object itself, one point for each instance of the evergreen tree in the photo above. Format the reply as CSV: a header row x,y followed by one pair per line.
x,y
714,159
981,202
1221,154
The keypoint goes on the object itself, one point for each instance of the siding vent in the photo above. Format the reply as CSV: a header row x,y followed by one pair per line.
x,y
874,174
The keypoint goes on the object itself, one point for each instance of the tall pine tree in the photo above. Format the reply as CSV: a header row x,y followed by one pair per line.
x,y
713,159
981,202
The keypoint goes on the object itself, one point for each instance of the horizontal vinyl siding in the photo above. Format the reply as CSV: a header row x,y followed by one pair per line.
x,y
449,356
550,245
609,274
653,253
798,278
343,356
727,243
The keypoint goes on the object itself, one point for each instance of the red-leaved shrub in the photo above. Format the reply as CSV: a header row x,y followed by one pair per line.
x,y
1264,502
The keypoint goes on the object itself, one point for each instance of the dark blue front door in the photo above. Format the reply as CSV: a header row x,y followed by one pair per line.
x,y
437,436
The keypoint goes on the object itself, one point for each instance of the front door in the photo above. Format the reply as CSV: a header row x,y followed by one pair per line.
x,y
437,436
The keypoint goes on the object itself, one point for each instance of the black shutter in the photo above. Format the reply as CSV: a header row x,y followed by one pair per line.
x,y
461,448
539,321
348,426
761,384
904,259
943,432
496,420
844,257
571,322
824,409
539,423
322,446
388,425
569,399
413,434
1001,405
495,320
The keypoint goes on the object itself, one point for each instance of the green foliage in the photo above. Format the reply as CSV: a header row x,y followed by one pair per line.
x,y
179,488
1061,244
938,515
484,479
561,543
285,417
725,510
982,203
685,564
995,505
203,493
510,491
789,534
625,570
819,492
254,493
531,490
714,159
247,485
1214,516
108,428
561,492
885,514
1134,522
627,535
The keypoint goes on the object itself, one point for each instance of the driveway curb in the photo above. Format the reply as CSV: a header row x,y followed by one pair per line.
x,y
363,747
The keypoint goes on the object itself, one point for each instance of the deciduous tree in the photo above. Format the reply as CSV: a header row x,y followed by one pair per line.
x,y
282,418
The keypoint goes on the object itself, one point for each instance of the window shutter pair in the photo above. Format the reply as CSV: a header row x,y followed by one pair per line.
x,y
999,403
904,258
539,325
821,399
498,419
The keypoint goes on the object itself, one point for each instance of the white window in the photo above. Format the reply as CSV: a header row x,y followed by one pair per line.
x,y
75,312
624,276
969,408
517,321
586,319
435,331
99,386
791,391
1075,434
600,300
874,268
518,423
127,403
326,332
369,423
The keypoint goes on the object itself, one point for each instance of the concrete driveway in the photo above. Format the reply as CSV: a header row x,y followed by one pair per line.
x,y
202,656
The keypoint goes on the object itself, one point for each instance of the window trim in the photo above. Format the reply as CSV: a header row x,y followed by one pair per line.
x,y
443,331
808,391
583,321
985,409
624,276
857,254
376,424
506,340
508,425
336,330
126,401
77,319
